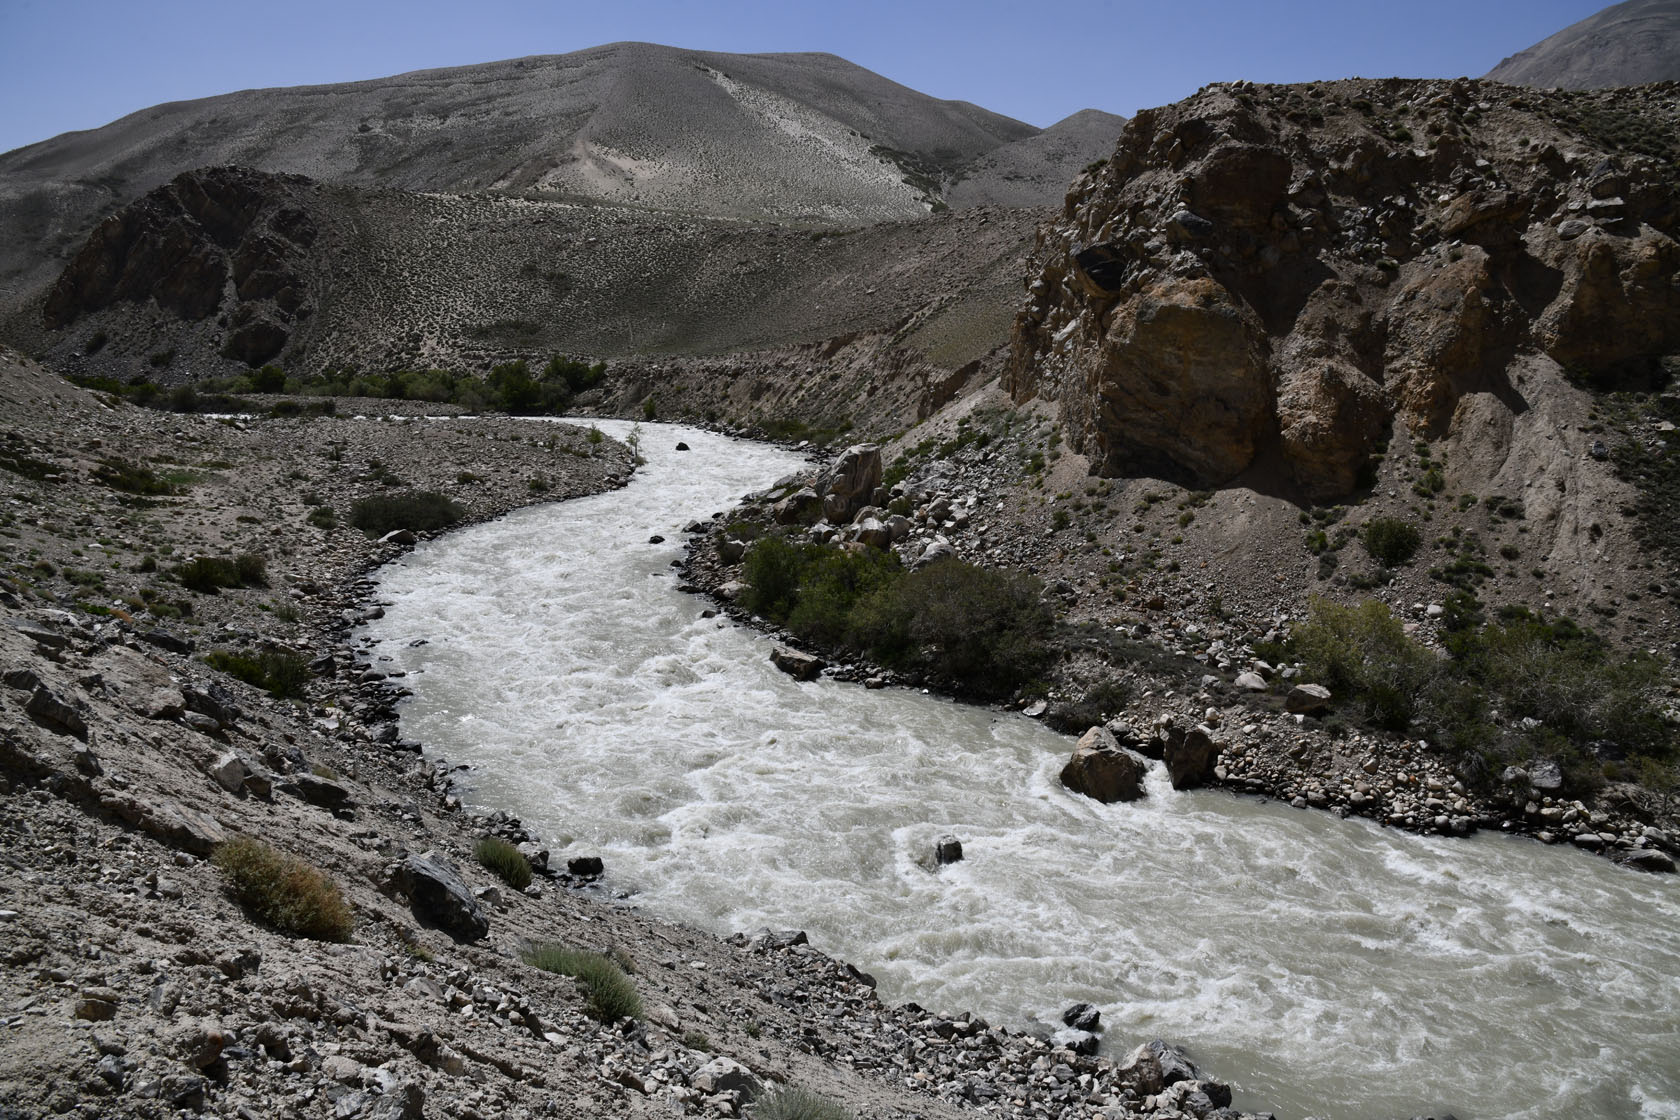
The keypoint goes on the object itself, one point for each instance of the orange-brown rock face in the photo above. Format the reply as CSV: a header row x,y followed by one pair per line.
x,y
1291,269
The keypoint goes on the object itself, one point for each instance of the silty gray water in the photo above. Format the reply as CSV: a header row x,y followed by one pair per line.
x,y
1325,967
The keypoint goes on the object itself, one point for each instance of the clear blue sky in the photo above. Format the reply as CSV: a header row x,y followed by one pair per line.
x,y
73,64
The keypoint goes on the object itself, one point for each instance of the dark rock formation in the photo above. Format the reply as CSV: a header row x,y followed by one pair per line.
x,y
1275,274
219,239
437,893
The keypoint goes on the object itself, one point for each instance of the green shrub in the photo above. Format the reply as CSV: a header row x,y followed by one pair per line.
x,y
419,510
986,631
1390,541
208,574
792,1103
284,891
282,675
1363,655
322,517
504,859
608,993
131,478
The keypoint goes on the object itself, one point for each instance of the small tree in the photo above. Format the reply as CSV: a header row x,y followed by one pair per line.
x,y
1390,541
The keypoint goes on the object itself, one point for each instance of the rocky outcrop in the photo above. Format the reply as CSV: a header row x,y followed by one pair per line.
x,y
221,240
1271,274
1102,769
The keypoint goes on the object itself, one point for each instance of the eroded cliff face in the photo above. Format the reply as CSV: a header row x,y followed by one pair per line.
x,y
1268,276
222,241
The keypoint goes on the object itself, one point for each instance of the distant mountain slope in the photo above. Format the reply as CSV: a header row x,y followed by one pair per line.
x,y
1624,45
1036,170
786,137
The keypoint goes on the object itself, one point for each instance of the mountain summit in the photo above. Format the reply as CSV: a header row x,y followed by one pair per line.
x,y
1624,45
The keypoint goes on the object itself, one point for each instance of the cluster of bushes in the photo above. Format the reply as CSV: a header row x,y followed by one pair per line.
x,y
208,574
283,891
510,387
419,510
1510,689
280,674
132,478
987,632
608,992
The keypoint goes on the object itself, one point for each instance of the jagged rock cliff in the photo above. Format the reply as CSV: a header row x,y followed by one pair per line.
x,y
220,240
1266,277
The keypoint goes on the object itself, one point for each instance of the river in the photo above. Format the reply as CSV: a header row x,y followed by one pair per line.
x,y
1324,967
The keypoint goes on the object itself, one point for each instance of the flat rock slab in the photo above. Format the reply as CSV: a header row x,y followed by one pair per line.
x,y
439,895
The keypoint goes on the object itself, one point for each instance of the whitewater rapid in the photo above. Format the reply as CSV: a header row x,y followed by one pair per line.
x,y
1324,967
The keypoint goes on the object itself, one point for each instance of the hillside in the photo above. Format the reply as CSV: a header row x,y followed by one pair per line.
x,y
792,138
229,267
1628,44
1036,170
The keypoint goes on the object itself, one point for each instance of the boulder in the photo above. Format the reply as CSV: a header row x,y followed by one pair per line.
x,y
799,666
1649,859
1154,1065
437,893
1190,758
854,475
948,850
1251,682
1545,775
798,507
726,1075
1102,769
323,792
1308,699
51,711
1082,1017
585,867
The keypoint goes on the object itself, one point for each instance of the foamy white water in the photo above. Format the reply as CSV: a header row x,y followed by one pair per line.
x,y
1324,967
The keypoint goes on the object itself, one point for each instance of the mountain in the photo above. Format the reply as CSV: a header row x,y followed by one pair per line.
x,y
1624,45
1037,169
793,138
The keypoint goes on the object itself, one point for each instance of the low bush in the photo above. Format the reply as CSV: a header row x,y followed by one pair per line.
x,y
789,1102
283,891
281,675
208,574
988,632
131,478
419,510
1390,541
608,993
504,860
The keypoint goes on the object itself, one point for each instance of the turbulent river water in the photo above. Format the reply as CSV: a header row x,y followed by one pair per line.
x,y
1324,967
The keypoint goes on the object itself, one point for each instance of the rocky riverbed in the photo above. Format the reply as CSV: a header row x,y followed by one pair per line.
x,y
134,985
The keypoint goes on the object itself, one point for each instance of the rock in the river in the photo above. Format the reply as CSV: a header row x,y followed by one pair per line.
x,y
1649,859
435,888
1082,1017
1102,769
1190,758
1308,699
799,666
948,850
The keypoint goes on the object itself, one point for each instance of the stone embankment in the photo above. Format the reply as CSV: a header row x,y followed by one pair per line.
x,y
1251,727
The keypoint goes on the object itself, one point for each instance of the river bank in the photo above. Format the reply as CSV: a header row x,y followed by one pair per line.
x,y
133,985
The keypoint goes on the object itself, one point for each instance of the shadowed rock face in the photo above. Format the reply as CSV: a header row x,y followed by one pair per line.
x,y
1276,274
1624,45
213,239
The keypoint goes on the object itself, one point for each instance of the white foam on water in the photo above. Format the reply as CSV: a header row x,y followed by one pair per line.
x,y
1327,967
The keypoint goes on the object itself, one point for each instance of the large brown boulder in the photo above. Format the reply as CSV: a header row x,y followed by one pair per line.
x,y
1104,770
1190,757
1182,376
